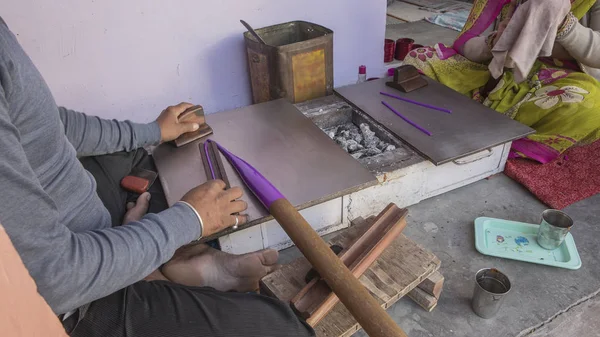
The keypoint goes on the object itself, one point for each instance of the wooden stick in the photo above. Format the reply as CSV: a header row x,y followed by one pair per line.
x,y
357,299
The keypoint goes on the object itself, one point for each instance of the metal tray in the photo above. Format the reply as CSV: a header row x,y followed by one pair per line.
x,y
518,241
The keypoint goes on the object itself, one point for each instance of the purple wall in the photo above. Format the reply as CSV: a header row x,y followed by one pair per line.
x,y
130,59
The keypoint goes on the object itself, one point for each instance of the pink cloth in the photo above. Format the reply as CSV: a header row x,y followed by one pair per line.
x,y
530,34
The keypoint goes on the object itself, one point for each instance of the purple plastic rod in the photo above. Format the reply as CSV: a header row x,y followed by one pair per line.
x,y
406,119
256,182
212,171
416,103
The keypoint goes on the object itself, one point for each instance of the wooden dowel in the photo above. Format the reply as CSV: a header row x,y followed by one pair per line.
x,y
359,302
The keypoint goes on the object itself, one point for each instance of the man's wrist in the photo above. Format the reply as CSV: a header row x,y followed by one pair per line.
x,y
197,216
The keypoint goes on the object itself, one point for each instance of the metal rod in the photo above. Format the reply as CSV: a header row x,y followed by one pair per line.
x,y
253,32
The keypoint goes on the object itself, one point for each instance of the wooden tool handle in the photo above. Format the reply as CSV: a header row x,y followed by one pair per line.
x,y
367,311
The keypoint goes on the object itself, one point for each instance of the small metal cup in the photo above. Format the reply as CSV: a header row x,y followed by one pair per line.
x,y
491,287
554,227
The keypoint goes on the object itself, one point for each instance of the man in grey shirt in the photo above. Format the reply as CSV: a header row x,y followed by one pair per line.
x,y
108,279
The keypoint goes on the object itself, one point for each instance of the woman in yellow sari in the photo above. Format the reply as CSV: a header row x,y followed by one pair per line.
x,y
560,98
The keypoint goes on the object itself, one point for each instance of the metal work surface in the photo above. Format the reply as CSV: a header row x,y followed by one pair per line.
x,y
279,141
470,128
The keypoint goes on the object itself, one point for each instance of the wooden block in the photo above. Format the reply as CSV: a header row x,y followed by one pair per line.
x,y
433,284
401,267
426,301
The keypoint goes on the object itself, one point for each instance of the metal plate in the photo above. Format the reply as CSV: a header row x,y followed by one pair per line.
x,y
470,128
279,141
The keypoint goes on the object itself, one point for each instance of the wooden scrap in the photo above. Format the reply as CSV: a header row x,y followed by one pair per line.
x,y
433,284
425,300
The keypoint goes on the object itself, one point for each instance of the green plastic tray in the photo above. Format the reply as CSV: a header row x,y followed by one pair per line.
x,y
518,241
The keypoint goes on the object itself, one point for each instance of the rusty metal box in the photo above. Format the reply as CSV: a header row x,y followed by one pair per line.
x,y
296,62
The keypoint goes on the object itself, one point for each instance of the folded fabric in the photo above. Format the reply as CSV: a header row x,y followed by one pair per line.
x,y
530,34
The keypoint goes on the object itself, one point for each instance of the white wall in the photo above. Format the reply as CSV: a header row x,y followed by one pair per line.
x,y
130,59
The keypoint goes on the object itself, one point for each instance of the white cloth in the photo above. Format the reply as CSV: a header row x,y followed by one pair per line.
x,y
530,34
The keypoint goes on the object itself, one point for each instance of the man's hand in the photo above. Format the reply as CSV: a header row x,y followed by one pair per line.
x,y
171,127
216,205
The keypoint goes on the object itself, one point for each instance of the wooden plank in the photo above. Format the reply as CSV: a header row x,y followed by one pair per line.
x,y
433,284
401,267
425,300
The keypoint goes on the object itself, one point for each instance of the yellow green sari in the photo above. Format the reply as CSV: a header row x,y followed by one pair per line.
x,y
558,100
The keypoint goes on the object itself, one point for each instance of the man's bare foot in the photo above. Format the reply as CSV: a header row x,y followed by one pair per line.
x,y
203,266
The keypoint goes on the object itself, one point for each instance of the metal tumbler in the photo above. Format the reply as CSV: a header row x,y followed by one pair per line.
x,y
554,227
491,287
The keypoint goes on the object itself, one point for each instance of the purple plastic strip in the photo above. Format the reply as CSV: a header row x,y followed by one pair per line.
x,y
406,119
212,170
256,182
417,103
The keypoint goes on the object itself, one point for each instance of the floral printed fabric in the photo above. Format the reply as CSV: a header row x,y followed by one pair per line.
x,y
422,53
548,97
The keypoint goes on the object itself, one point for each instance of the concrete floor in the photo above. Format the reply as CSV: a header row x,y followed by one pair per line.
x,y
444,225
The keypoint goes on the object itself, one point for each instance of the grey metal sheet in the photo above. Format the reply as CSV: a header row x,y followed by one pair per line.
x,y
470,128
284,145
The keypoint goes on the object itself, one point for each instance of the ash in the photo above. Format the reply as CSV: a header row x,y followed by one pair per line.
x,y
359,142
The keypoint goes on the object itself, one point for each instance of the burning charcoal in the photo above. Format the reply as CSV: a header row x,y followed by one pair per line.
x,y
357,155
357,137
390,148
342,142
370,140
353,146
382,145
344,127
331,134
372,151
366,130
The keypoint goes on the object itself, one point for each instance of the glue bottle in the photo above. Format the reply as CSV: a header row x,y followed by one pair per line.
x,y
362,74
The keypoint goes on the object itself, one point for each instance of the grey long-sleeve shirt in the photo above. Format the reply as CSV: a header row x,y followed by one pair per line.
x,y
48,201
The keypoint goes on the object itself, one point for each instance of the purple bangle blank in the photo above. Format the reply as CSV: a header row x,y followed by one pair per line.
x,y
417,103
406,119
212,170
